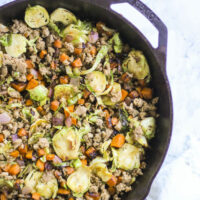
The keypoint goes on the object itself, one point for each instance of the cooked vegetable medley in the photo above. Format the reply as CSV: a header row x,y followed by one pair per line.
x,y
76,109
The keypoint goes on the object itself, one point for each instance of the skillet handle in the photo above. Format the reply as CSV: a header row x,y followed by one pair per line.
x,y
161,51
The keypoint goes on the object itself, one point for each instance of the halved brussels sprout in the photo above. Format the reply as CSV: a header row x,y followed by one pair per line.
x,y
114,96
149,127
137,65
96,82
37,123
32,180
66,143
99,167
35,183
141,139
63,16
127,157
39,93
47,189
30,113
17,46
6,183
64,91
79,181
78,36
6,40
35,138
104,148
36,16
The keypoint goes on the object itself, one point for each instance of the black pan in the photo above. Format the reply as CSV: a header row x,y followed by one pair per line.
x,y
96,10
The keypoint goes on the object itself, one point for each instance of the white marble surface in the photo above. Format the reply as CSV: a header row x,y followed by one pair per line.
x,y
179,177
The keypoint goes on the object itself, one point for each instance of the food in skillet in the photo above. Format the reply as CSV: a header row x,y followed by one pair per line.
x,y
76,109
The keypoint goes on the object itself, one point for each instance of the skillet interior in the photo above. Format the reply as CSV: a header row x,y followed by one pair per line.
x,y
90,10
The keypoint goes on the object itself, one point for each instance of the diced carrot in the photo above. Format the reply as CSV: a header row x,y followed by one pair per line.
x,y
84,162
1,137
29,154
119,179
74,121
139,89
78,51
22,132
63,191
54,105
40,165
63,57
41,110
147,93
125,77
19,86
14,154
113,65
29,64
64,79
43,53
114,121
23,150
71,198
91,152
93,51
50,156
41,152
92,195
53,65
29,102
118,141
69,170
40,77
3,197
81,101
107,114
29,77
77,63
124,94
113,181
70,109
36,196
86,94
57,44
14,169
133,94
32,84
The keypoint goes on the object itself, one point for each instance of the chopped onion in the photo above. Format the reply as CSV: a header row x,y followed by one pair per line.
x,y
34,73
93,37
57,160
5,118
14,137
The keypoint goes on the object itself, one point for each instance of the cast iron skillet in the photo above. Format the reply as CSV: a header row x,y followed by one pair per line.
x,y
96,10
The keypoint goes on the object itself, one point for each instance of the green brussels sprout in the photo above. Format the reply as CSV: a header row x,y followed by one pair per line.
x,y
38,93
35,138
141,139
99,167
37,123
36,16
64,91
6,40
96,82
6,183
63,16
35,183
149,127
74,99
66,143
47,189
76,163
79,181
114,96
5,148
104,148
100,55
79,36
117,43
32,180
137,65
127,157
17,46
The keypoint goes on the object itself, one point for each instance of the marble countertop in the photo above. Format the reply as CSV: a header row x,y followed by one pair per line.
x,y
179,177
